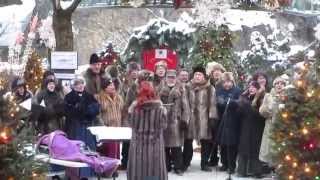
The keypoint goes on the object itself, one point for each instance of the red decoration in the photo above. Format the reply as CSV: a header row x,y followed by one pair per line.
x,y
152,56
110,56
34,23
5,136
177,3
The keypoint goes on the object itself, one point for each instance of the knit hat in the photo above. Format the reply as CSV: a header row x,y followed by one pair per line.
x,y
283,78
227,76
211,66
105,82
94,58
133,66
17,82
199,69
171,73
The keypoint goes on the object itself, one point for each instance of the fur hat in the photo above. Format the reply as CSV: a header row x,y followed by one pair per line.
x,y
200,69
227,76
171,73
94,58
77,80
283,78
211,66
105,82
133,66
17,82
145,75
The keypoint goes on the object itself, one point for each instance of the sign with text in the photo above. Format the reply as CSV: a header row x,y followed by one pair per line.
x,y
64,60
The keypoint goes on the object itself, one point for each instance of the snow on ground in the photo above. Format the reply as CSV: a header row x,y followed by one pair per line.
x,y
195,173
13,20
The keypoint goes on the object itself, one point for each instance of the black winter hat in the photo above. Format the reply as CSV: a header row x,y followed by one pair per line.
x,y
17,82
94,58
105,82
200,69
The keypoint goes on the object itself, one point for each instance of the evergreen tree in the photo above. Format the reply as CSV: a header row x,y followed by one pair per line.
x,y
33,72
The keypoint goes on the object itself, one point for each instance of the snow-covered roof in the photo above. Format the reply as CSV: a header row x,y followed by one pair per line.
x,y
13,20
236,18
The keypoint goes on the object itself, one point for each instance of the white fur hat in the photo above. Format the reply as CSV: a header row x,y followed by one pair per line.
x,y
213,66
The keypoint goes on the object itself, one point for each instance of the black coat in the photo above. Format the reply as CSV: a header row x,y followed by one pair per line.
x,y
252,128
230,123
81,111
50,117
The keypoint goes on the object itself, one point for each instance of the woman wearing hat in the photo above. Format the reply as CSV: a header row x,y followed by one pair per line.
x,y
203,116
81,111
110,113
19,90
269,109
252,126
228,131
49,102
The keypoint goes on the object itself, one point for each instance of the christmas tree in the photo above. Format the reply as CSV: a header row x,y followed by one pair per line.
x,y
296,133
16,139
213,44
33,72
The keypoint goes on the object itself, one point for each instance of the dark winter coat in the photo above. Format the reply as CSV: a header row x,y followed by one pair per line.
x,y
93,81
252,126
230,122
146,153
81,112
50,117
203,110
177,105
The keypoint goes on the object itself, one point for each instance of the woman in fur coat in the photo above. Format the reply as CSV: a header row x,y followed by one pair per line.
x,y
148,119
110,113
269,109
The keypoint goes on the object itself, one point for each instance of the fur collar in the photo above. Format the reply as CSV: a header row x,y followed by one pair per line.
x,y
200,86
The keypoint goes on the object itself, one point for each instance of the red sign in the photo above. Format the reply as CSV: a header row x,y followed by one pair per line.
x,y
152,56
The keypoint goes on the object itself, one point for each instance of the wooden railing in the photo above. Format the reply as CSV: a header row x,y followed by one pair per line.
x,y
89,3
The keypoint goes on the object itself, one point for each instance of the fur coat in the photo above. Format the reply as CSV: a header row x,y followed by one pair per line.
x,y
111,109
203,110
146,153
177,105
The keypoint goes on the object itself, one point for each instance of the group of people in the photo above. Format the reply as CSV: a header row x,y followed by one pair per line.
x,y
168,110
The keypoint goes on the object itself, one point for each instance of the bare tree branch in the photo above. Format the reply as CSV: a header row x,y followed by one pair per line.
x,y
73,6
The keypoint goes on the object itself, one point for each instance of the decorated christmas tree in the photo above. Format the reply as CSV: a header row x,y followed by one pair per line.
x,y
296,133
33,72
213,44
16,139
